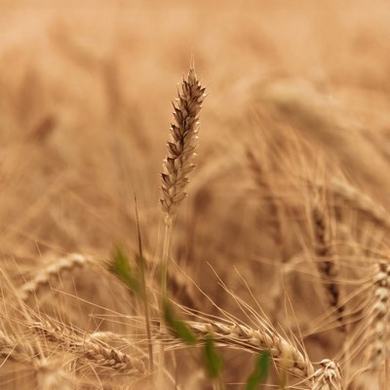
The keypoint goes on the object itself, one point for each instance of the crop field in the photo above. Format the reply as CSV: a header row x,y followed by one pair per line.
x,y
195,195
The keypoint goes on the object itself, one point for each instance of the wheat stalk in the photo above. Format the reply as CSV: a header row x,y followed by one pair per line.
x,y
325,264
178,164
380,314
41,281
242,337
327,377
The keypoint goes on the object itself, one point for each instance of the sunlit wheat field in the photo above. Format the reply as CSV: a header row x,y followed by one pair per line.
x,y
194,195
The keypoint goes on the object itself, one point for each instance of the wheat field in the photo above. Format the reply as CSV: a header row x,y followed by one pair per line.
x,y
195,195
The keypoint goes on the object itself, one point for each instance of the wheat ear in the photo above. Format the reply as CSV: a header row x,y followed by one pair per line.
x,y
89,349
181,147
178,165
325,264
284,353
69,263
327,377
380,317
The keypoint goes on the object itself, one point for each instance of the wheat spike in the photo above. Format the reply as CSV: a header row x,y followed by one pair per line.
x,y
42,280
89,348
181,147
380,314
327,377
285,354
325,264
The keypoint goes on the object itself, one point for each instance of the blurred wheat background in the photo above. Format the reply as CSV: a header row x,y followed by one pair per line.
x,y
286,221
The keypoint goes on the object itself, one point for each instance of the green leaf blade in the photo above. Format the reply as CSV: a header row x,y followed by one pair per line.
x,y
260,372
212,360
120,267
177,326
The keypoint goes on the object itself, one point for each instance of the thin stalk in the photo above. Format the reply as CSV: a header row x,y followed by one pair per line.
x,y
164,291
141,263
168,224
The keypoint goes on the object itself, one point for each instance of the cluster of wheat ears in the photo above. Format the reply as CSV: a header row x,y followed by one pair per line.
x,y
150,336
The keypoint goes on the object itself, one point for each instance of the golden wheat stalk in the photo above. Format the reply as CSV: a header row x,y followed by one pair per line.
x,y
325,259
380,315
286,355
327,377
178,164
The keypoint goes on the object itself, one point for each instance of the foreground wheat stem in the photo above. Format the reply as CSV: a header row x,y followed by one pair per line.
x,y
141,263
165,256
179,161
177,166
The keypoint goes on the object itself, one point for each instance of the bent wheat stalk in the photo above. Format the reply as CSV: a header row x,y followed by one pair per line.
x,y
285,354
42,280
